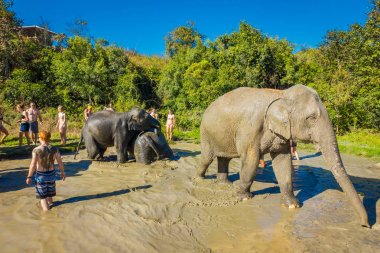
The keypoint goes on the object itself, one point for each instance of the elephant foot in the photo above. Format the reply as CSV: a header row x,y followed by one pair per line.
x,y
290,202
243,192
243,196
223,178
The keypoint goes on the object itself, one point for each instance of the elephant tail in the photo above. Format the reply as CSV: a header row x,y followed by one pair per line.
x,y
80,141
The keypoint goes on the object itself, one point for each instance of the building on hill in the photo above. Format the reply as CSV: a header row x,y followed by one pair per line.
x,y
40,34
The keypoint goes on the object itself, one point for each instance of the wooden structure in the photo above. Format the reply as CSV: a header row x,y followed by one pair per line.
x,y
40,34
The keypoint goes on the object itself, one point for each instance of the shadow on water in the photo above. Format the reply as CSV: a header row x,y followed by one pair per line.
x,y
14,179
185,153
310,181
99,195
310,156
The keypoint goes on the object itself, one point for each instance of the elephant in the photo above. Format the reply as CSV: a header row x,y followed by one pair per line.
x,y
149,146
106,128
250,122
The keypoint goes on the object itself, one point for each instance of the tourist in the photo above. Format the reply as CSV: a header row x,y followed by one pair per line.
x,y
293,149
24,124
2,127
170,123
109,108
61,124
154,113
42,163
33,116
87,112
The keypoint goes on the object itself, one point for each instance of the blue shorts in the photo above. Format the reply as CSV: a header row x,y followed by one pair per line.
x,y
45,184
34,127
24,127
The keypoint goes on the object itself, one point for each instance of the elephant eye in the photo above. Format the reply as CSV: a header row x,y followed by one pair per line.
x,y
311,118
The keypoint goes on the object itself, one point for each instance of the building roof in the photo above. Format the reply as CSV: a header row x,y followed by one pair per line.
x,y
31,27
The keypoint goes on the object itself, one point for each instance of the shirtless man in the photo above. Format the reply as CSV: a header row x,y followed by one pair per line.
x,y
34,115
42,163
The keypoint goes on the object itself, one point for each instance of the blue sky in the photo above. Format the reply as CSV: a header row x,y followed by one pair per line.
x,y
142,25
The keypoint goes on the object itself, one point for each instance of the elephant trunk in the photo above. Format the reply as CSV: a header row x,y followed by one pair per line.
x,y
156,124
327,140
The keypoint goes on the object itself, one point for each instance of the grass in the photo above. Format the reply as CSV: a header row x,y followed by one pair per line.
x,y
193,136
11,149
364,143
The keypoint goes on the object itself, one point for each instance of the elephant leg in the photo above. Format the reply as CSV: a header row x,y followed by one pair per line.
x,y
102,150
249,163
223,169
282,167
207,157
92,147
122,154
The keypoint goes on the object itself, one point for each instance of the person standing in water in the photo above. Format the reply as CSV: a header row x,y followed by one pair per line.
x,y
170,123
33,116
61,124
293,149
42,167
2,127
24,125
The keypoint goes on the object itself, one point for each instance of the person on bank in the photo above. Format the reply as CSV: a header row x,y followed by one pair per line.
x,y
42,167
87,112
2,127
61,124
24,125
170,123
109,108
33,116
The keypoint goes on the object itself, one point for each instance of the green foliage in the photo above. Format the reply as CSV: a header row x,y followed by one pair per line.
x,y
196,75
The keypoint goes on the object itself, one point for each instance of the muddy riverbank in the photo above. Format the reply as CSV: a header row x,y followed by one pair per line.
x,y
106,207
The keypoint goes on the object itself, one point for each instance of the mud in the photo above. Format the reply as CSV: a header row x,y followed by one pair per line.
x,y
162,207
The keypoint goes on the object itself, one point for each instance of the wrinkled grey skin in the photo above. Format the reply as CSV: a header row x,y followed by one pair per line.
x,y
150,146
106,128
249,122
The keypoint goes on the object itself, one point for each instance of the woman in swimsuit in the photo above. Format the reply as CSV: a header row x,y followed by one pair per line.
x,y
61,124
2,128
170,123
42,163
24,125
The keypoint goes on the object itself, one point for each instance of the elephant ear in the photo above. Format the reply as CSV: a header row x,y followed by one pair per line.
x,y
277,118
132,124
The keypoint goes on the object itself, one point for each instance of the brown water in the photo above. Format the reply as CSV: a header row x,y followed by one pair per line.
x,y
106,207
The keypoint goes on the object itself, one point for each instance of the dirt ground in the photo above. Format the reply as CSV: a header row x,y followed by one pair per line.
x,y
162,207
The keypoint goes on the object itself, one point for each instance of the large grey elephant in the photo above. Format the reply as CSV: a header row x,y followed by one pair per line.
x,y
149,146
106,128
250,122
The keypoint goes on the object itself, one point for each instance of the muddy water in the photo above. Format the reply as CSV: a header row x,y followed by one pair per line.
x,y
106,207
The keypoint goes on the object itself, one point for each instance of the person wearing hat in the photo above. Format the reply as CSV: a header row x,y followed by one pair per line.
x,y
87,112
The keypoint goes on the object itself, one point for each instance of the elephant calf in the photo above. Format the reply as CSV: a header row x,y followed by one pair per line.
x,y
150,146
